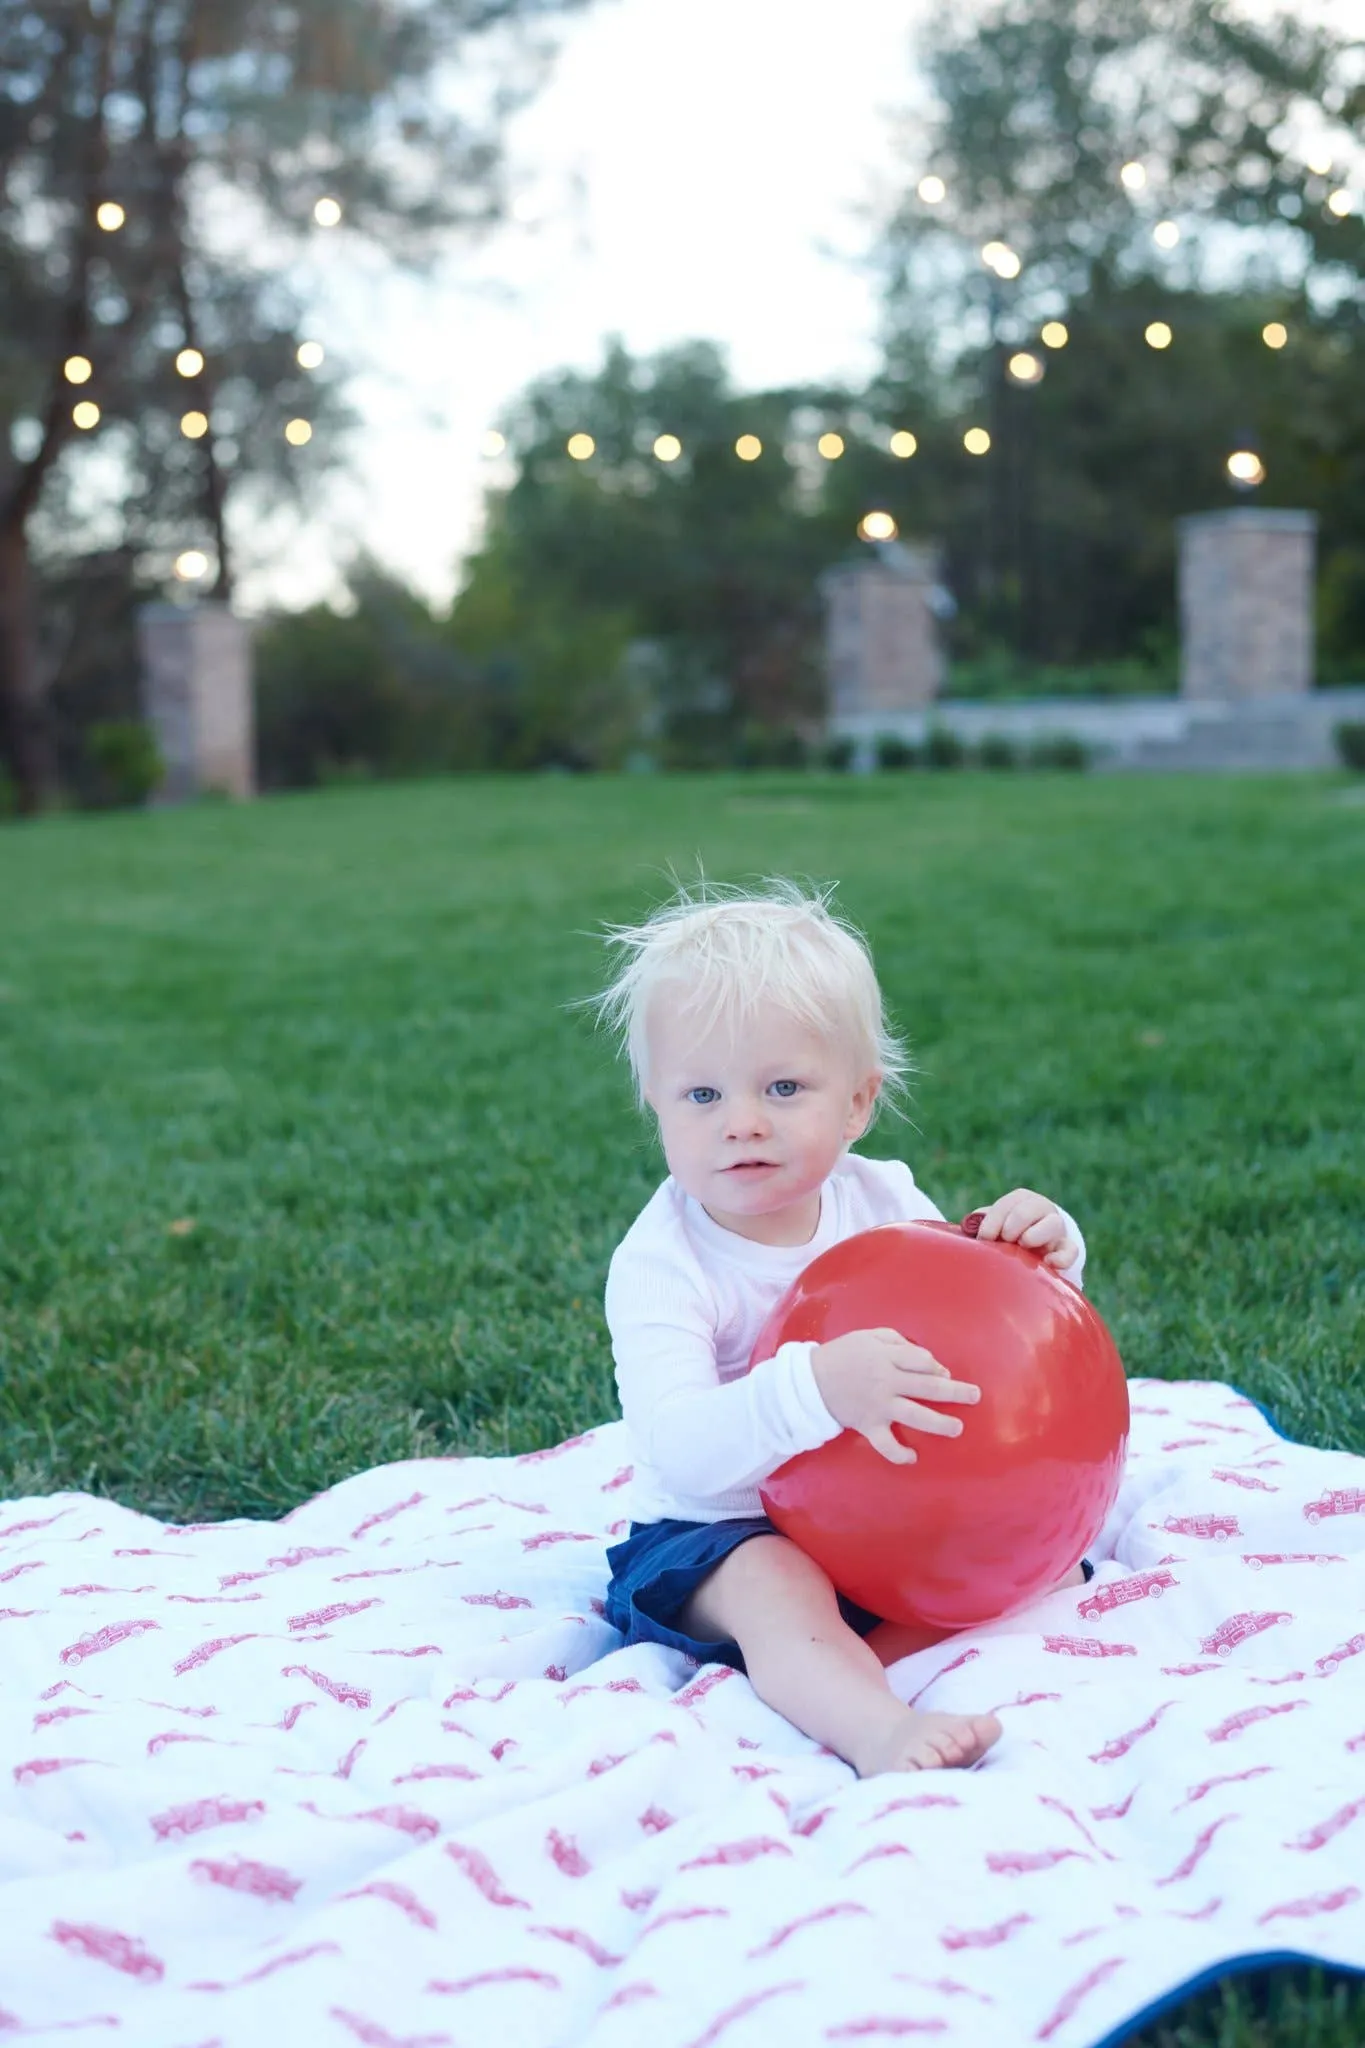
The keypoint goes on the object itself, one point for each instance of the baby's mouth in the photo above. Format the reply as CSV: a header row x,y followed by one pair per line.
x,y
751,1166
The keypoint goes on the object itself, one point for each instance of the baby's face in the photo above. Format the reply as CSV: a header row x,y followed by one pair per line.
x,y
752,1122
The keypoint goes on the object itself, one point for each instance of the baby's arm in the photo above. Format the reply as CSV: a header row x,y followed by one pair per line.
x,y
701,1437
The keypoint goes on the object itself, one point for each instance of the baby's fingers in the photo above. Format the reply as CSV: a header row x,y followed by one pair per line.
x,y
926,1387
884,1439
911,1415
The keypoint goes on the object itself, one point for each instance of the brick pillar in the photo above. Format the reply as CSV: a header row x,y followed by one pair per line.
x,y
882,650
196,697
1246,604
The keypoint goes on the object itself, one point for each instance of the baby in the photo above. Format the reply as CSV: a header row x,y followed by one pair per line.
x,y
756,1033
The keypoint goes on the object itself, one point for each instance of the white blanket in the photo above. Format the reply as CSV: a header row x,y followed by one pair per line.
x,y
382,1774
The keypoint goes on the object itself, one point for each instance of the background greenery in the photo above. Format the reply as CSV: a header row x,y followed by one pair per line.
x,y
305,1164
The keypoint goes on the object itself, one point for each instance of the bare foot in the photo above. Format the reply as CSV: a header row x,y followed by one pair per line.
x,y
911,1741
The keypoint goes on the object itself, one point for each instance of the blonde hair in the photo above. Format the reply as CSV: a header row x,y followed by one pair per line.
x,y
735,948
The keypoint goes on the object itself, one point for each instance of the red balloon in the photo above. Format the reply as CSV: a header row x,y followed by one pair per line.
x,y
985,1521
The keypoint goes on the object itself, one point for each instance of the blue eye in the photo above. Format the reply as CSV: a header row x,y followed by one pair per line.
x,y
703,1097
786,1089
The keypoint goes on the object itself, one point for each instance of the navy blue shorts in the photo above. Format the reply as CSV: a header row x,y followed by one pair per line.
x,y
660,1565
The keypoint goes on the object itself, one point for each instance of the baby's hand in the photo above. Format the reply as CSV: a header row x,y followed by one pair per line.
x,y
1021,1217
869,1379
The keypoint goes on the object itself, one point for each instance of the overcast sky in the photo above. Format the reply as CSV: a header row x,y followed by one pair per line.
x,y
692,168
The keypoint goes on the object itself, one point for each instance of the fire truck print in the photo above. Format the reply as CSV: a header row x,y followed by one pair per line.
x,y
1238,1628
1345,1500
1141,1586
1257,1558
1215,1527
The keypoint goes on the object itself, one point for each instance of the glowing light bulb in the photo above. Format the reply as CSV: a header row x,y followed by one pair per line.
x,y
1244,466
1319,162
78,369
1025,368
581,446
668,447
1157,334
831,446
1166,234
493,443
932,190
1054,334
298,433
877,526
748,447
1340,202
327,213
976,441
312,355
190,566
1133,176
903,443
194,426
85,415
110,216
1274,334
189,362
999,257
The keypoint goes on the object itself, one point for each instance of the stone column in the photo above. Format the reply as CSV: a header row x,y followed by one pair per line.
x,y
196,697
882,649
1246,604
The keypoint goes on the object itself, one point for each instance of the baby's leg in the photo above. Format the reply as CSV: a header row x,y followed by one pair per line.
x,y
892,1640
807,1663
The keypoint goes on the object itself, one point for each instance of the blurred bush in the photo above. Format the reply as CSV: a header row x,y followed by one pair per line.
x,y
942,748
125,763
1059,750
891,751
997,750
1350,739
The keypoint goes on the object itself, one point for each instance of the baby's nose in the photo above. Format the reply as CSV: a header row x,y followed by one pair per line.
x,y
747,1118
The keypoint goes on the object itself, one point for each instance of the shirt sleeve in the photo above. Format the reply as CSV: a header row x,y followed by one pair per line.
x,y
703,1438
889,1186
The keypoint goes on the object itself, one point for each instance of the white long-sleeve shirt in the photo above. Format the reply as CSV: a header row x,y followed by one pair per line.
x,y
685,1302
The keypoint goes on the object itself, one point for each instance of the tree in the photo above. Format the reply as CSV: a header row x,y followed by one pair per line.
x,y
160,161
1149,161
708,561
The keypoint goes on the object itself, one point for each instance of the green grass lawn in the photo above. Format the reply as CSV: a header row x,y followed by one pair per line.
x,y
305,1163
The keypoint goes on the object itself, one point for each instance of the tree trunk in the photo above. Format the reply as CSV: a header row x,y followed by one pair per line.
x,y
24,748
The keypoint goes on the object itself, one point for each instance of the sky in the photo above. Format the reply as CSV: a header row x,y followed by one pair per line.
x,y
691,168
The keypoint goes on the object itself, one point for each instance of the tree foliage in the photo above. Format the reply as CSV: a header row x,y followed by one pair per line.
x,y
215,125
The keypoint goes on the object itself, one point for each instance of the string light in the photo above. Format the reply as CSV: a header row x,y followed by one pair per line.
x,y
581,446
85,415
1166,234
877,526
327,213
1339,202
1133,176
189,362
976,441
78,369
932,190
110,216
1319,162
668,447
748,447
1054,334
1245,467
999,257
493,443
312,355
190,566
831,446
194,426
1157,335
298,433
903,443
1025,368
